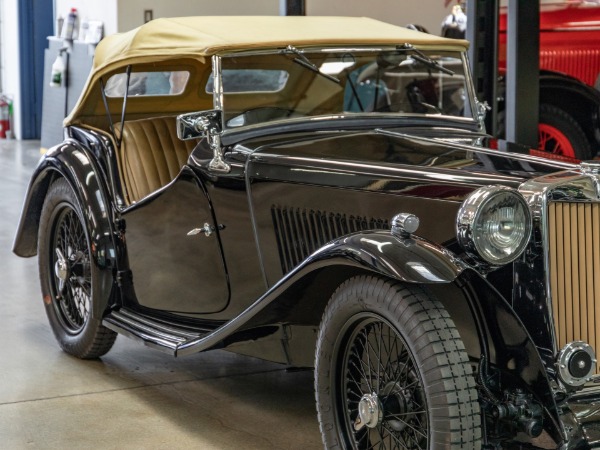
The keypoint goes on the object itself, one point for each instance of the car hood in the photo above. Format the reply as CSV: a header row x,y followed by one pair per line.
x,y
448,152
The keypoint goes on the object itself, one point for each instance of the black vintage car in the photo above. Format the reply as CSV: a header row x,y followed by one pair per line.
x,y
321,192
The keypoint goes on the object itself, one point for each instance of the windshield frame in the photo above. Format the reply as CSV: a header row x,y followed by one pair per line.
x,y
219,101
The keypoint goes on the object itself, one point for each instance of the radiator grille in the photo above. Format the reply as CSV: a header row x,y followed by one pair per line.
x,y
300,232
574,257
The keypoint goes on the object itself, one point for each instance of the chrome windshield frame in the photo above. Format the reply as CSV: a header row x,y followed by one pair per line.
x,y
218,92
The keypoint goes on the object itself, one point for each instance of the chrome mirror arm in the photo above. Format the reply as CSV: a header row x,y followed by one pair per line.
x,y
217,163
205,124
481,110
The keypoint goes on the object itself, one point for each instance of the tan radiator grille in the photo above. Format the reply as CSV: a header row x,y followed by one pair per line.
x,y
574,258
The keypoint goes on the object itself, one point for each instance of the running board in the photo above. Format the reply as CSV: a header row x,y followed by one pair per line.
x,y
159,334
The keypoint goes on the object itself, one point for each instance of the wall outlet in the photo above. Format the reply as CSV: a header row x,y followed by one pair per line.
x,y
148,15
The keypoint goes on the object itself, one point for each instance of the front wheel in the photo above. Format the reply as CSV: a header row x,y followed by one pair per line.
x,y
68,275
391,371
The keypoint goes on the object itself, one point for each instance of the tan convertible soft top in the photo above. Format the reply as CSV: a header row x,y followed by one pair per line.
x,y
211,34
198,37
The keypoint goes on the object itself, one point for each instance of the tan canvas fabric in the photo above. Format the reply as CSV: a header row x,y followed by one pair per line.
x,y
211,34
197,38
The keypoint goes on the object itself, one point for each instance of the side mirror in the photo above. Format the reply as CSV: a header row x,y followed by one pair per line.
x,y
199,124
209,125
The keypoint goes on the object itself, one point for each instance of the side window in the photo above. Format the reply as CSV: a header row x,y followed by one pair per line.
x,y
247,81
148,83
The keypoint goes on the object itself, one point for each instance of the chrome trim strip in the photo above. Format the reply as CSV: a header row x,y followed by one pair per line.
x,y
217,83
275,50
471,90
488,151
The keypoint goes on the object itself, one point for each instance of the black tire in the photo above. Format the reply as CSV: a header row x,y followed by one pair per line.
x,y
566,127
419,376
68,275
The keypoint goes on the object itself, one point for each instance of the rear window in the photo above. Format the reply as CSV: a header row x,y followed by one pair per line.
x,y
148,83
238,81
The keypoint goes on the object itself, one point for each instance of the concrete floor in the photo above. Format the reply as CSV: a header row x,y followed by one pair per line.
x,y
134,397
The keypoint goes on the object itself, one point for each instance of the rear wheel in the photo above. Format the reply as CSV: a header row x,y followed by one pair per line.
x,y
67,276
392,372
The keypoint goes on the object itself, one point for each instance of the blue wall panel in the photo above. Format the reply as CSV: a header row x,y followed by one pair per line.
x,y
36,23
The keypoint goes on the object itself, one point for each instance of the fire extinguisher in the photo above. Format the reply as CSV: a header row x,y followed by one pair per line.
x,y
4,117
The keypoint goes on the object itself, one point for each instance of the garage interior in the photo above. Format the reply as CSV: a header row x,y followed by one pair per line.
x,y
135,397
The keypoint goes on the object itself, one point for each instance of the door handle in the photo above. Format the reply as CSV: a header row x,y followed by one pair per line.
x,y
207,229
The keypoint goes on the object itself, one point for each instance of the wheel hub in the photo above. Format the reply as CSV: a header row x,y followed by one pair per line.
x,y
370,412
61,270
397,403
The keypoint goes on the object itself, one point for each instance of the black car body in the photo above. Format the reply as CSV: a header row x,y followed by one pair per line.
x,y
335,196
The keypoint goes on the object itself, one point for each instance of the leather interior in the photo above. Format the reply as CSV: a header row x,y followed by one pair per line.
x,y
151,155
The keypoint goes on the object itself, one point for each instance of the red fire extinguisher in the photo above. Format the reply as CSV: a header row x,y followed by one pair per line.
x,y
4,116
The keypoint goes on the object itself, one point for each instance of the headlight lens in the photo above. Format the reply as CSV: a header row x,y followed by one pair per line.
x,y
494,224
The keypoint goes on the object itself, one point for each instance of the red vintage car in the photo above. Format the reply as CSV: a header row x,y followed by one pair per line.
x,y
569,77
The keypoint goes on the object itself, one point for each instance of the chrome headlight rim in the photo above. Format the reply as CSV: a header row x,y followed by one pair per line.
x,y
469,220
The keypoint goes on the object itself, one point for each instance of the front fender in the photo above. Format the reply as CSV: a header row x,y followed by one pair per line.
x,y
301,296
410,260
72,162
485,320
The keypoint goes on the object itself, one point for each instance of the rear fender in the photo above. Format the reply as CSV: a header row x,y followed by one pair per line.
x,y
73,163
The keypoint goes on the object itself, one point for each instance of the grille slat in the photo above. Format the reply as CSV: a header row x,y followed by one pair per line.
x,y
574,258
300,232
589,275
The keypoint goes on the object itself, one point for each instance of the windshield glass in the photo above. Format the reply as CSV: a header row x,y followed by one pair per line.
x,y
292,84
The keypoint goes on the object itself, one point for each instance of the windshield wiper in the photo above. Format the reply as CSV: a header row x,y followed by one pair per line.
x,y
305,62
418,55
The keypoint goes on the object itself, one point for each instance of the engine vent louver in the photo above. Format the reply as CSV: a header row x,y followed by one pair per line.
x,y
300,232
574,260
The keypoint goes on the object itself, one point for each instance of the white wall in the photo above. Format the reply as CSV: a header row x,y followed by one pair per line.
x,y
428,13
105,10
123,15
131,12
10,72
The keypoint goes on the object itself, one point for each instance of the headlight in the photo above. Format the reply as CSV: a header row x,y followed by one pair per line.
x,y
494,224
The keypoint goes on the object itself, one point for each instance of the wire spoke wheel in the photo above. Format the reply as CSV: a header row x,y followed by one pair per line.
x,y
560,134
72,278
382,402
552,140
68,275
391,371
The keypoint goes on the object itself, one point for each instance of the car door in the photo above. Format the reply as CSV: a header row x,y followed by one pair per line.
x,y
174,250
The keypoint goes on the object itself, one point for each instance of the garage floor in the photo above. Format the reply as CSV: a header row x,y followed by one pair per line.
x,y
133,397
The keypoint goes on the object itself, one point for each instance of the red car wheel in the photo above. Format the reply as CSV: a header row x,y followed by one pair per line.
x,y
551,139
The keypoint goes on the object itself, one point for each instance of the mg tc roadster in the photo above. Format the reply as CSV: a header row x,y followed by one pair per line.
x,y
320,192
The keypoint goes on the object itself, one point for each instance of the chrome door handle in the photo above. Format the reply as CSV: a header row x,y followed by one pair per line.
x,y
206,229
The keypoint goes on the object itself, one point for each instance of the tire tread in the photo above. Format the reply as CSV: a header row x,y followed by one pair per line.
x,y
451,389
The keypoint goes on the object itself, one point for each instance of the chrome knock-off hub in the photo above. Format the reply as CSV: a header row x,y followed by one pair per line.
x,y
370,412
61,270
